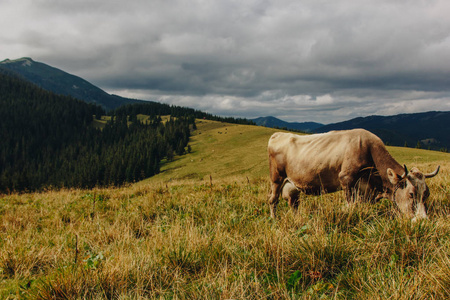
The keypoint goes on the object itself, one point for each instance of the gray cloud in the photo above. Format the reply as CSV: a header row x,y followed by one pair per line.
x,y
311,60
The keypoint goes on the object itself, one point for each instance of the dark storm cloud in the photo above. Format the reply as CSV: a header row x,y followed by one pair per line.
x,y
298,60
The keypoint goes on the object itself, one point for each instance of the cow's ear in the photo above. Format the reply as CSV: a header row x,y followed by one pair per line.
x,y
394,178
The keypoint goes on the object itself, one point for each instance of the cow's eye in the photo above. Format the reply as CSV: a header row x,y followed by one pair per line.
x,y
411,195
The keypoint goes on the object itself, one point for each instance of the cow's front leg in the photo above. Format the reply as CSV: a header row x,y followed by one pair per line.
x,y
348,186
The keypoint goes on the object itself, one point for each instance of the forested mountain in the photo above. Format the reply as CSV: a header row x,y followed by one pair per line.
x,y
426,130
273,122
62,83
429,130
49,140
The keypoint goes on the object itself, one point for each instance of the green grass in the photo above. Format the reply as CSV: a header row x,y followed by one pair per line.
x,y
414,157
221,150
176,236
101,123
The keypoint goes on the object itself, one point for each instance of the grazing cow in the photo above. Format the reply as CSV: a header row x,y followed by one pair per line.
x,y
353,160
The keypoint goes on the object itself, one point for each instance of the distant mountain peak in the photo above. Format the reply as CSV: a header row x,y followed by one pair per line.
x,y
60,82
26,61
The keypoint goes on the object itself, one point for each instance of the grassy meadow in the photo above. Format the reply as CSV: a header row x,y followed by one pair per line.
x,y
201,230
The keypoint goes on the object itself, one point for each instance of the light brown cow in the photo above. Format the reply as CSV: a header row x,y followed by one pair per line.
x,y
353,160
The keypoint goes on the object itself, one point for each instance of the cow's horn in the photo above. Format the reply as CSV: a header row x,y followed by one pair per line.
x,y
432,174
406,171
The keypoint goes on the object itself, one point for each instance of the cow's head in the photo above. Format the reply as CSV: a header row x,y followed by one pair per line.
x,y
411,192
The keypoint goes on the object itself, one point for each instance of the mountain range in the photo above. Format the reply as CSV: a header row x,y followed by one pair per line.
x,y
62,83
277,123
428,130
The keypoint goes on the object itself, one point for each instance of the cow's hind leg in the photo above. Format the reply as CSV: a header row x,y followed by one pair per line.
x,y
274,196
277,177
293,202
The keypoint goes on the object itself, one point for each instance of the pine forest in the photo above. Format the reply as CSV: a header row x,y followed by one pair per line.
x,y
50,141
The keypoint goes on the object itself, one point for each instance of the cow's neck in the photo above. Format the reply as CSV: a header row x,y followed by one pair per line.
x,y
383,160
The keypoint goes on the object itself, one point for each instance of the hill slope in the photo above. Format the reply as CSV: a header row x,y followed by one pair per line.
x,y
189,239
222,150
228,151
62,83
431,129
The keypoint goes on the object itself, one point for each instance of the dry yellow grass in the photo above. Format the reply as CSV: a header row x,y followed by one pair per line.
x,y
177,236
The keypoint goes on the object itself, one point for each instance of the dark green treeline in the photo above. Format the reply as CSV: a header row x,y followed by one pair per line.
x,y
155,108
47,140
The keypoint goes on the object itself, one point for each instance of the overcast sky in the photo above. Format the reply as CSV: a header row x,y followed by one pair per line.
x,y
322,61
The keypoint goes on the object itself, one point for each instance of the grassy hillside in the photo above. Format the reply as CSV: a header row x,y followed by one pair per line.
x,y
221,150
225,150
176,236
